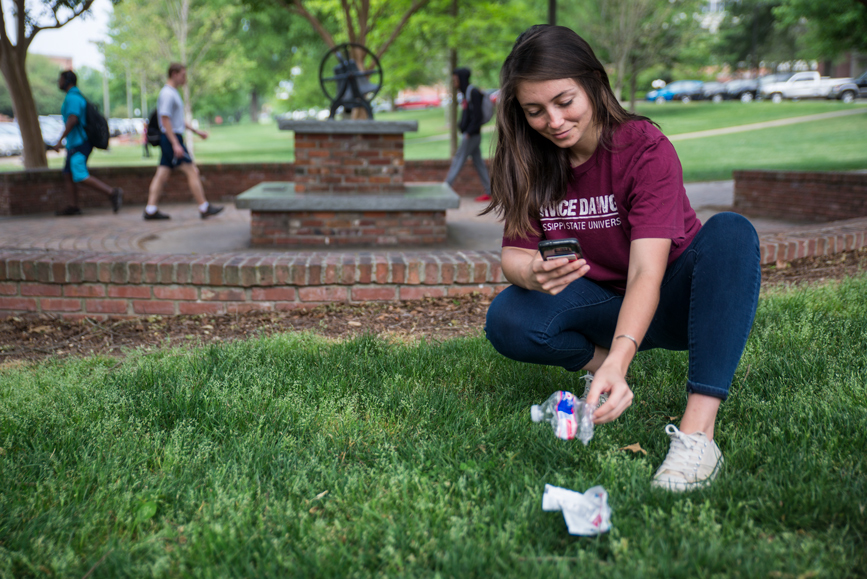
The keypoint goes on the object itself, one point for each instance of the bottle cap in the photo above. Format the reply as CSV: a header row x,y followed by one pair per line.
x,y
536,414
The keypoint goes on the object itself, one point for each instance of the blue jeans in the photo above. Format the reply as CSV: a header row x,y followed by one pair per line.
x,y
707,304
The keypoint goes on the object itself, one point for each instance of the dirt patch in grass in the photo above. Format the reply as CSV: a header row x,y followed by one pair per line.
x,y
36,337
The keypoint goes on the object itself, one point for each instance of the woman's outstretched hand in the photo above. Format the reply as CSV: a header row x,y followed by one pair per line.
x,y
609,379
554,275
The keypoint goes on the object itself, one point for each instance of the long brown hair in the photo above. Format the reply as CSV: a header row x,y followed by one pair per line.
x,y
529,171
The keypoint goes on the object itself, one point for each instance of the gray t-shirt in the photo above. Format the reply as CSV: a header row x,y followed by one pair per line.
x,y
171,105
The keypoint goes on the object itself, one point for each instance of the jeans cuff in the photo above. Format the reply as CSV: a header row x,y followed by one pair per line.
x,y
716,392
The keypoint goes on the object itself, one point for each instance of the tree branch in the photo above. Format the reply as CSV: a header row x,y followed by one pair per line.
x,y
297,6
203,50
347,13
416,6
363,19
22,17
57,23
4,38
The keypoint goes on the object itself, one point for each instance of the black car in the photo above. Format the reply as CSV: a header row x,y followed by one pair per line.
x,y
714,91
861,81
742,89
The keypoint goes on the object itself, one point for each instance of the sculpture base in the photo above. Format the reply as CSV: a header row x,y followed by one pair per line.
x,y
280,217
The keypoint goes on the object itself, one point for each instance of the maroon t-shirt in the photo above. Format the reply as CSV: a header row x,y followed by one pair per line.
x,y
633,191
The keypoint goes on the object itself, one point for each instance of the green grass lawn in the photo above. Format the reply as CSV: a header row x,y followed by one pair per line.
x,y
295,456
827,145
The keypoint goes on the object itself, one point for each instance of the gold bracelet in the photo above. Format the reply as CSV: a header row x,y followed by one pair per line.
x,y
628,337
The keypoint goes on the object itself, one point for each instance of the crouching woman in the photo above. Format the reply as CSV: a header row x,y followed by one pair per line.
x,y
572,163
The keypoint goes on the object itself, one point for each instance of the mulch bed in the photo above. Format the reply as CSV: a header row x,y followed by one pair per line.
x,y
36,337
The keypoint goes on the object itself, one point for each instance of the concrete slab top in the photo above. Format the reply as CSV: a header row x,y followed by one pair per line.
x,y
281,196
357,127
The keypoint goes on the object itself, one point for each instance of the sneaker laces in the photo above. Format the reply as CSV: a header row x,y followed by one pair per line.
x,y
684,456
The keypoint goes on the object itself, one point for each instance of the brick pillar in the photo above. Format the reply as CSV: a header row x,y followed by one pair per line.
x,y
349,157
348,163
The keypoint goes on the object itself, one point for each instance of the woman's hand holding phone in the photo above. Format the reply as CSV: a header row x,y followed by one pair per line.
x,y
552,276
558,263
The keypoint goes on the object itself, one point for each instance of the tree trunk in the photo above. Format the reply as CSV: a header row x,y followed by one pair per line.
x,y
188,116
632,82
12,65
254,106
620,72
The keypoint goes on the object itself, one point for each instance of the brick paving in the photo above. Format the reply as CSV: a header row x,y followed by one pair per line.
x,y
100,231
102,265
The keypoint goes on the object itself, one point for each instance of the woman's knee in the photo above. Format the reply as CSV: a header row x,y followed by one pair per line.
x,y
732,235
507,324
731,226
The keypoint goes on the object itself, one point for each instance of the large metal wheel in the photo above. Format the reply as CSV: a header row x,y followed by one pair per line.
x,y
350,76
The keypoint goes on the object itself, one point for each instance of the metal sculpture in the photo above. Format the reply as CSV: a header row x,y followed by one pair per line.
x,y
347,85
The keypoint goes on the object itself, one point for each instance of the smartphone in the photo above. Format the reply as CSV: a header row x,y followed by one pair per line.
x,y
556,248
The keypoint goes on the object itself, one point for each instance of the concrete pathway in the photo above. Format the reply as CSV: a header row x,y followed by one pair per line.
x,y
766,125
100,230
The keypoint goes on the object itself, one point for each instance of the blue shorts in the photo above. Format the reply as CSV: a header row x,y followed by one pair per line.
x,y
76,162
167,159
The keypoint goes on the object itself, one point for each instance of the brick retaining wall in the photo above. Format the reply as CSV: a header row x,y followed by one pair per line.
x,y
75,285
102,285
42,191
801,196
467,183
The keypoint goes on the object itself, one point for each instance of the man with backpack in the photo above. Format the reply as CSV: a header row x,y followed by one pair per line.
x,y
472,119
79,147
174,154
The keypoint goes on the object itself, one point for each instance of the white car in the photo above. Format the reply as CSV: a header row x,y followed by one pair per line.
x,y
11,142
802,85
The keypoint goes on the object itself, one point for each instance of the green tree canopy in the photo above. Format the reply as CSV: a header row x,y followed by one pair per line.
x,y
833,27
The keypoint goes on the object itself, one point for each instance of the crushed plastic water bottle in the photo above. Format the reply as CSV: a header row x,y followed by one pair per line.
x,y
588,380
585,514
569,417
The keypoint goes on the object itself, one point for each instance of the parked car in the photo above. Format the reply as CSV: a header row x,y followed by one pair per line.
x,y
802,85
51,130
714,91
11,142
849,91
114,127
742,89
771,78
681,90
417,102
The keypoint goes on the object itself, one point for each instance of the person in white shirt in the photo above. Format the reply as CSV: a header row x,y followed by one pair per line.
x,y
170,115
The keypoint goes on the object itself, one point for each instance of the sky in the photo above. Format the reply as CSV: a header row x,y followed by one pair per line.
x,y
76,39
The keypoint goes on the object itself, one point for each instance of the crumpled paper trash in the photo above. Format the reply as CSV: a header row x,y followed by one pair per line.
x,y
585,514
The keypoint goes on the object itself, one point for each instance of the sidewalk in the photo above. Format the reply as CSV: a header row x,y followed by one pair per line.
x,y
101,231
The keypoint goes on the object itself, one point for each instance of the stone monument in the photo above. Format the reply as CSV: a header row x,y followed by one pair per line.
x,y
348,191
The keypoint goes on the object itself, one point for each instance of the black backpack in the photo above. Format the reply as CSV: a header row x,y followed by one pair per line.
x,y
154,130
95,127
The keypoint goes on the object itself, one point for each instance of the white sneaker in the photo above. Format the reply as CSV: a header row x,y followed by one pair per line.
x,y
692,462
